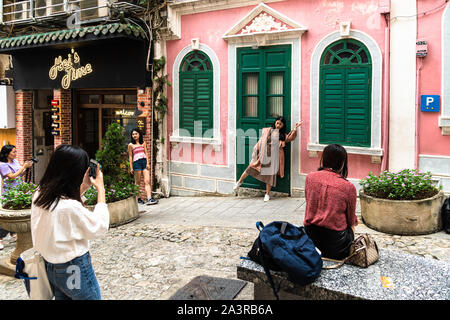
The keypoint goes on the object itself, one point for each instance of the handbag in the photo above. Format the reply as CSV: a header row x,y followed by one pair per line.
x,y
30,267
363,253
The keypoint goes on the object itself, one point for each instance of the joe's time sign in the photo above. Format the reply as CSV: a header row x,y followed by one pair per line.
x,y
72,68
110,63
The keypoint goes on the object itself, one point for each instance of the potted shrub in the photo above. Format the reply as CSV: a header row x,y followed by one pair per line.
x,y
403,203
15,215
121,191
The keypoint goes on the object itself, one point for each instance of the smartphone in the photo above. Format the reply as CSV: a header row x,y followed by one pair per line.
x,y
93,168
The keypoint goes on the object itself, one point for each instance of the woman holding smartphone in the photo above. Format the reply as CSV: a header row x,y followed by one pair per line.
x,y
61,226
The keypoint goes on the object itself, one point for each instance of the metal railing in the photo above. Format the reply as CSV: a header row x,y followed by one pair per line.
x,y
30,11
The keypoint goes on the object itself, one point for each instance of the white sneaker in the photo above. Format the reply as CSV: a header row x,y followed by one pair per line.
x,y
236,185
266,198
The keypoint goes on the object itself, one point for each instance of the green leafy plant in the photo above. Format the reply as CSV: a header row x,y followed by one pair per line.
x,y
159,82
18,197
403,185
119,184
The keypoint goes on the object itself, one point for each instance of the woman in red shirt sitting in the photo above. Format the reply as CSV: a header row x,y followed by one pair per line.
x,y
330,217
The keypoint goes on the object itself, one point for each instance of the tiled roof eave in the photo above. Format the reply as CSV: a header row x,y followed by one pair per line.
x,y
70,35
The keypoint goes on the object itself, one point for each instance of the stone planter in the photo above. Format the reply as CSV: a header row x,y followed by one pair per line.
x,y
122,212
402,217
16,221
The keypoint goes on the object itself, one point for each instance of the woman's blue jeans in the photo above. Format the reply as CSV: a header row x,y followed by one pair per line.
x,y
74,280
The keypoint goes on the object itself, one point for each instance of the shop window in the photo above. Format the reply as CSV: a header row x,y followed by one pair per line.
x,y
89,98
130,99
113,99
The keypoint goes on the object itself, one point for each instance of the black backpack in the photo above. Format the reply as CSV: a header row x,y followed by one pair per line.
x,y
282,246
445,213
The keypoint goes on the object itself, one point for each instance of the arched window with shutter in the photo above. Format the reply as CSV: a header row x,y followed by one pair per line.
x,y
345,94
196,93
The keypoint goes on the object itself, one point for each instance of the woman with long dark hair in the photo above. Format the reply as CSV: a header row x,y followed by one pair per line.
x,y
330,217
10,172
268,155
140,164
61,226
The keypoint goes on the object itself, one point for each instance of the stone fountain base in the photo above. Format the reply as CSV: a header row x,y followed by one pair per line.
x,y
7,268
17,221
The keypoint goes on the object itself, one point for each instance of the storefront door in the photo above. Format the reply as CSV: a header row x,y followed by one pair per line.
x,y
97,109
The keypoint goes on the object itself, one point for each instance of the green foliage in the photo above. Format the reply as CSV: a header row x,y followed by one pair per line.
x,y
115,192
159,82
112,152
404,185
119,184
18,197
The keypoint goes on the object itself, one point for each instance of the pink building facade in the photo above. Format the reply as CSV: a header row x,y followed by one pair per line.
x,y
237,65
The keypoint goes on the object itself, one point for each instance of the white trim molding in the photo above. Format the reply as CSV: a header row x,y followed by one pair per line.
x,y
178,8
375,148
444,119
176,137
259,26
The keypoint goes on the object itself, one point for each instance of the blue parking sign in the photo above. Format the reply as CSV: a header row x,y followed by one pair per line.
x,y
429,103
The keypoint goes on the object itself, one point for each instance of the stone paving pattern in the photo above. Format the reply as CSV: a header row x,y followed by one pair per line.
x,y
184,237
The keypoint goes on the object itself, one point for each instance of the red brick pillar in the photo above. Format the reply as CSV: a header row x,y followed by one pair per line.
x,y
144,101
24,125
65,99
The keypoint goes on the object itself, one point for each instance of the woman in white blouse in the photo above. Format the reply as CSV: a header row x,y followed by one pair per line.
x,y
61,226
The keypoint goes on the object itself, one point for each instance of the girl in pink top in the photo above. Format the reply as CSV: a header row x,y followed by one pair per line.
x,y
330,217
139,163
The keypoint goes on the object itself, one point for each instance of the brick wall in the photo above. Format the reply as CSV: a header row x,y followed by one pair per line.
x,y
146,97
65,98
24,125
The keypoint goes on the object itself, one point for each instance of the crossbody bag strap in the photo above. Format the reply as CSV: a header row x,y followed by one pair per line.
x,y
341,262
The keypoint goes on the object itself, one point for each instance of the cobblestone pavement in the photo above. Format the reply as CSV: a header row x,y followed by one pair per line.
x,y
184,237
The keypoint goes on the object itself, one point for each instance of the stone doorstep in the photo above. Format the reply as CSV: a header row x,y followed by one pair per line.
x,y
411,278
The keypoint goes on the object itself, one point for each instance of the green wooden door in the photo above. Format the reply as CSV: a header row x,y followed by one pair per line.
x,y
345,94
263,94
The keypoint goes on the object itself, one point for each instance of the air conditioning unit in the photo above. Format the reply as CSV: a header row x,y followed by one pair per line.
x,y
7,107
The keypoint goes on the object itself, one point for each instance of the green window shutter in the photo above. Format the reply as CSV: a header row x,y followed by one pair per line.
x,y
345,94
332,111
196,93
204,98
357,106
187,102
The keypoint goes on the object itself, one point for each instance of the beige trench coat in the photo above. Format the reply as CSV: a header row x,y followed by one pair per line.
x,y
259,151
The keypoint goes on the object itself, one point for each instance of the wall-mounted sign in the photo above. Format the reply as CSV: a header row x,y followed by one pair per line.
x,y
125,113
429,103
118,63
56,118
421,48
71,66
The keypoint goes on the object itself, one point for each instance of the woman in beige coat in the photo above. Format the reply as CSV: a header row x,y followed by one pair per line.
x,y
268,155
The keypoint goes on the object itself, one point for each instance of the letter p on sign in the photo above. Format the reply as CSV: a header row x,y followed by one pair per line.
x,y
429,103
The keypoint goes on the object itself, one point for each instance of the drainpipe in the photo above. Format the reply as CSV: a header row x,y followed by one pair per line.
x,y
384,161
416,160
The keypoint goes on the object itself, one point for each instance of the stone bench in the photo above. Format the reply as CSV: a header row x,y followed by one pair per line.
x,y
412,278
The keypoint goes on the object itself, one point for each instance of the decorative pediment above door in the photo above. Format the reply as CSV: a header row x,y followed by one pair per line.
x,y
263,24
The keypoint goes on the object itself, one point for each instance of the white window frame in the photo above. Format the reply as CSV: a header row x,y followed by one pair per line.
x,y
375,148
176,137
